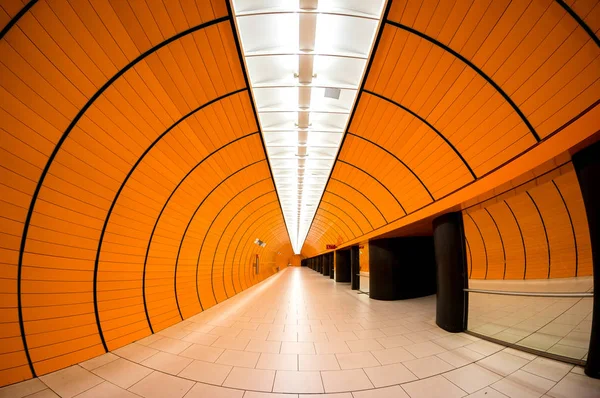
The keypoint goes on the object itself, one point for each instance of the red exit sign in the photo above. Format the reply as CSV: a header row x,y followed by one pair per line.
x,y
330,247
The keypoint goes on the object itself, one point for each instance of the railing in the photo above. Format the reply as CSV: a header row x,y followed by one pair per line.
x,y
532,294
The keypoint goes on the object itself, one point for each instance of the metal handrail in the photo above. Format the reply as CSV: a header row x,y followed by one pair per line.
x,y
532,294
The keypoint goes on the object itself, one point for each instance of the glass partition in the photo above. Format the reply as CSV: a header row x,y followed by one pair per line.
x,y
552,317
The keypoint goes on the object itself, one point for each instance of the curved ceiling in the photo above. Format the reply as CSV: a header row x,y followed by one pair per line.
x,y
455,90
134,175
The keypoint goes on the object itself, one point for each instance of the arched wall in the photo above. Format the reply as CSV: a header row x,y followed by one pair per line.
x,y
460,97
134,176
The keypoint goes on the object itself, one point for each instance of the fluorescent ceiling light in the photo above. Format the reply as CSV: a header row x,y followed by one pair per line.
x,y
306,60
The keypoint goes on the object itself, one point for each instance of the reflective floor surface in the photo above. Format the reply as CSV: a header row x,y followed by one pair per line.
x,y
299,334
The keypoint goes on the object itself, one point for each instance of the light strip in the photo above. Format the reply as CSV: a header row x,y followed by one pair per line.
x,y
306,60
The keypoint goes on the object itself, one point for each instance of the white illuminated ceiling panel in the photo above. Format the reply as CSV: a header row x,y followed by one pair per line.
x,y
305,60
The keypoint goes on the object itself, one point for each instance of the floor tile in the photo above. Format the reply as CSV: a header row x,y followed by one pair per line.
x,y
278,361
428,366
107,390
460,356
22,389
503,363
539,341
387,392
201,390
357,360
256,394
345,380
122,372
282,336
548,368
341,336
242,359
297,348
206,372
452,342
433,387
332,347
364,345
395,341
98,361
312,337
487,392
272,347
484,347
168,363
425,349
383,376
472,377
160,385
250,379
135,352
225,331
524,385
369,334
200,338
47,393
574,385
318,362
334,395
71,381
202,353
231,343
392,355
298,382
170,345
254,334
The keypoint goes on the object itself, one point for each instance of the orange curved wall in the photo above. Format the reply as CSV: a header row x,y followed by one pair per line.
x,y
536,230
461,97
134,177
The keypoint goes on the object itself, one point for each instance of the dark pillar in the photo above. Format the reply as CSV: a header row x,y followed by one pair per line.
x,y
355,267
331,267
451,307
401,268
320,262
326,268
587,167
342,264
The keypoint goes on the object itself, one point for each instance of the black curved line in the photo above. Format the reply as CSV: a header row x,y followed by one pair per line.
x,y
229,223
484,246
215,252
339,218
208,229
545,232
59,144
572,227
158,217
248,246
246,277
501,240
339,231
580,21
353,205
12,23
188,225
395,157
118,194
470,257
435,130
331,204
522,239
236,231
380,183
365,196
475,68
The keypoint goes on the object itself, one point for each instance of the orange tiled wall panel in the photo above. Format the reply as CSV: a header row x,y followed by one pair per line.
x,y
134,178
535,231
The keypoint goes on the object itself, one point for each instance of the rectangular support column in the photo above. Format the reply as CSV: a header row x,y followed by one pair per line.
x,y
325,262
451,307
587,167
342,265
331,265
355,267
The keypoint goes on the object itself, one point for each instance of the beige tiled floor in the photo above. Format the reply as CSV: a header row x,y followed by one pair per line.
x,y
301,335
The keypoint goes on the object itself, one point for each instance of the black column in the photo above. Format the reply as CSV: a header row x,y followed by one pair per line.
x,y
320,262
342,265
331,267
451,307
325,260
587,167
401,268
355,267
